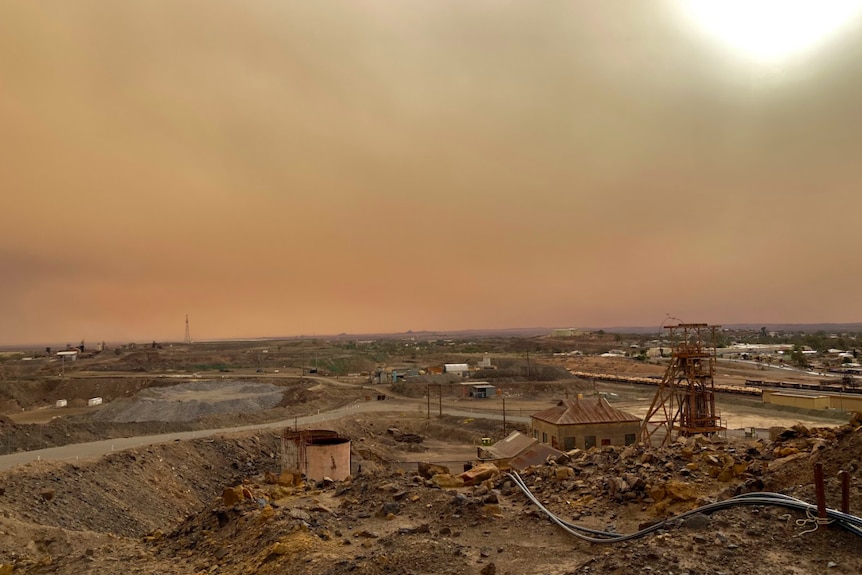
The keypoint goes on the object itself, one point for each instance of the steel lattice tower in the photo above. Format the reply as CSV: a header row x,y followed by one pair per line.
x,y
685,400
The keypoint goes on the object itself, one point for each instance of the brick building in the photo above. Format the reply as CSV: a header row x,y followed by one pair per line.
x,y
584,423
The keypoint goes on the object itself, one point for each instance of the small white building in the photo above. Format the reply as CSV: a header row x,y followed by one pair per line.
x,y
461,369
68,354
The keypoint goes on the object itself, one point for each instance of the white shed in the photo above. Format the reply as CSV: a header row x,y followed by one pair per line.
x,y
457,368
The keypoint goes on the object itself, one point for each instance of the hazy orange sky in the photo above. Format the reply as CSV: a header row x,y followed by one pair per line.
x,y
293,167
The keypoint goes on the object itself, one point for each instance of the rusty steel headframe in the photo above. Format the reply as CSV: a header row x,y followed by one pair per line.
x,y
684,403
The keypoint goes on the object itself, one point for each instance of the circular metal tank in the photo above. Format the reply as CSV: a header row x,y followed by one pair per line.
x,y
327,456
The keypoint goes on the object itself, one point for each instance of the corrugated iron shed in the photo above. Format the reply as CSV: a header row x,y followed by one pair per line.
x,y
510,446
581,411
536,455
521,451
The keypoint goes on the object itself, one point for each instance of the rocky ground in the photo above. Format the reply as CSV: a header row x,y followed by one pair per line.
x,y
222,505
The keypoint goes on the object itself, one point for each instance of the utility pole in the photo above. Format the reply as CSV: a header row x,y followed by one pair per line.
x,y
504,415
188,338
428,397
440,396
528,366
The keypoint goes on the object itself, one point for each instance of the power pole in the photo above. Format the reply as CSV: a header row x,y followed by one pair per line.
x,y
428,397
440,396
504,416
188,331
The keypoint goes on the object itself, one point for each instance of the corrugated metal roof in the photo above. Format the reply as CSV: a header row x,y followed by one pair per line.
x,y
535,455
511,445
581,411
456,367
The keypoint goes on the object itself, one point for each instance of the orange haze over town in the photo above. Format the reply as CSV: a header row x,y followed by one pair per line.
x,y
279,168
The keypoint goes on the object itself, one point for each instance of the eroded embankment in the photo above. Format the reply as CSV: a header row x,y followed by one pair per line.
x,y
133,492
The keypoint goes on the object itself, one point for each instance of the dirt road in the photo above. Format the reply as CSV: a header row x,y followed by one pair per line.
x,y
98,448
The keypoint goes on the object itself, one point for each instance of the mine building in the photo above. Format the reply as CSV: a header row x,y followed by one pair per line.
x,y
68,354
478,390
584,423
517,451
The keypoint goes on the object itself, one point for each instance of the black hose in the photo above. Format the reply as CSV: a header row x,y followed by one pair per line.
x,y
850,523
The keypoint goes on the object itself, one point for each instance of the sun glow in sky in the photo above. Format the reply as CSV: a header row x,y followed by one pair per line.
x,y
770,31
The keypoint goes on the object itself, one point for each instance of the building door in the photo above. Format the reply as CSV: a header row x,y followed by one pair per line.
x,y
568,443
589,441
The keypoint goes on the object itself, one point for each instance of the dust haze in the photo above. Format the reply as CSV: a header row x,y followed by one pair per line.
x,y
278,168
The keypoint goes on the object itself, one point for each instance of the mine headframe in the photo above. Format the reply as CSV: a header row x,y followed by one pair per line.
x,y
684,403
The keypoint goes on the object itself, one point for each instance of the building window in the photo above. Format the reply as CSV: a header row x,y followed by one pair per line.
x,y
544,437
568,443
630,438
535,434
606,441
589,441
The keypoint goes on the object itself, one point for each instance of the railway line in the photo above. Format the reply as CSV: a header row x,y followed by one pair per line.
x,y
614,378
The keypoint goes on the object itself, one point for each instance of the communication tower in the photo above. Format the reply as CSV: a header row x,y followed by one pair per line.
x,y
188,331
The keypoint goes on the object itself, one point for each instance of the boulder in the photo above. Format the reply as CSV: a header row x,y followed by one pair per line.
x,y
679,491
429,470
446,481
479,473
563,472
232,495
777,463
288,479
784,451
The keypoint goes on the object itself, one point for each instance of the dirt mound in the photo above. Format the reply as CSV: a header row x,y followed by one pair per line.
x,y
193,400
